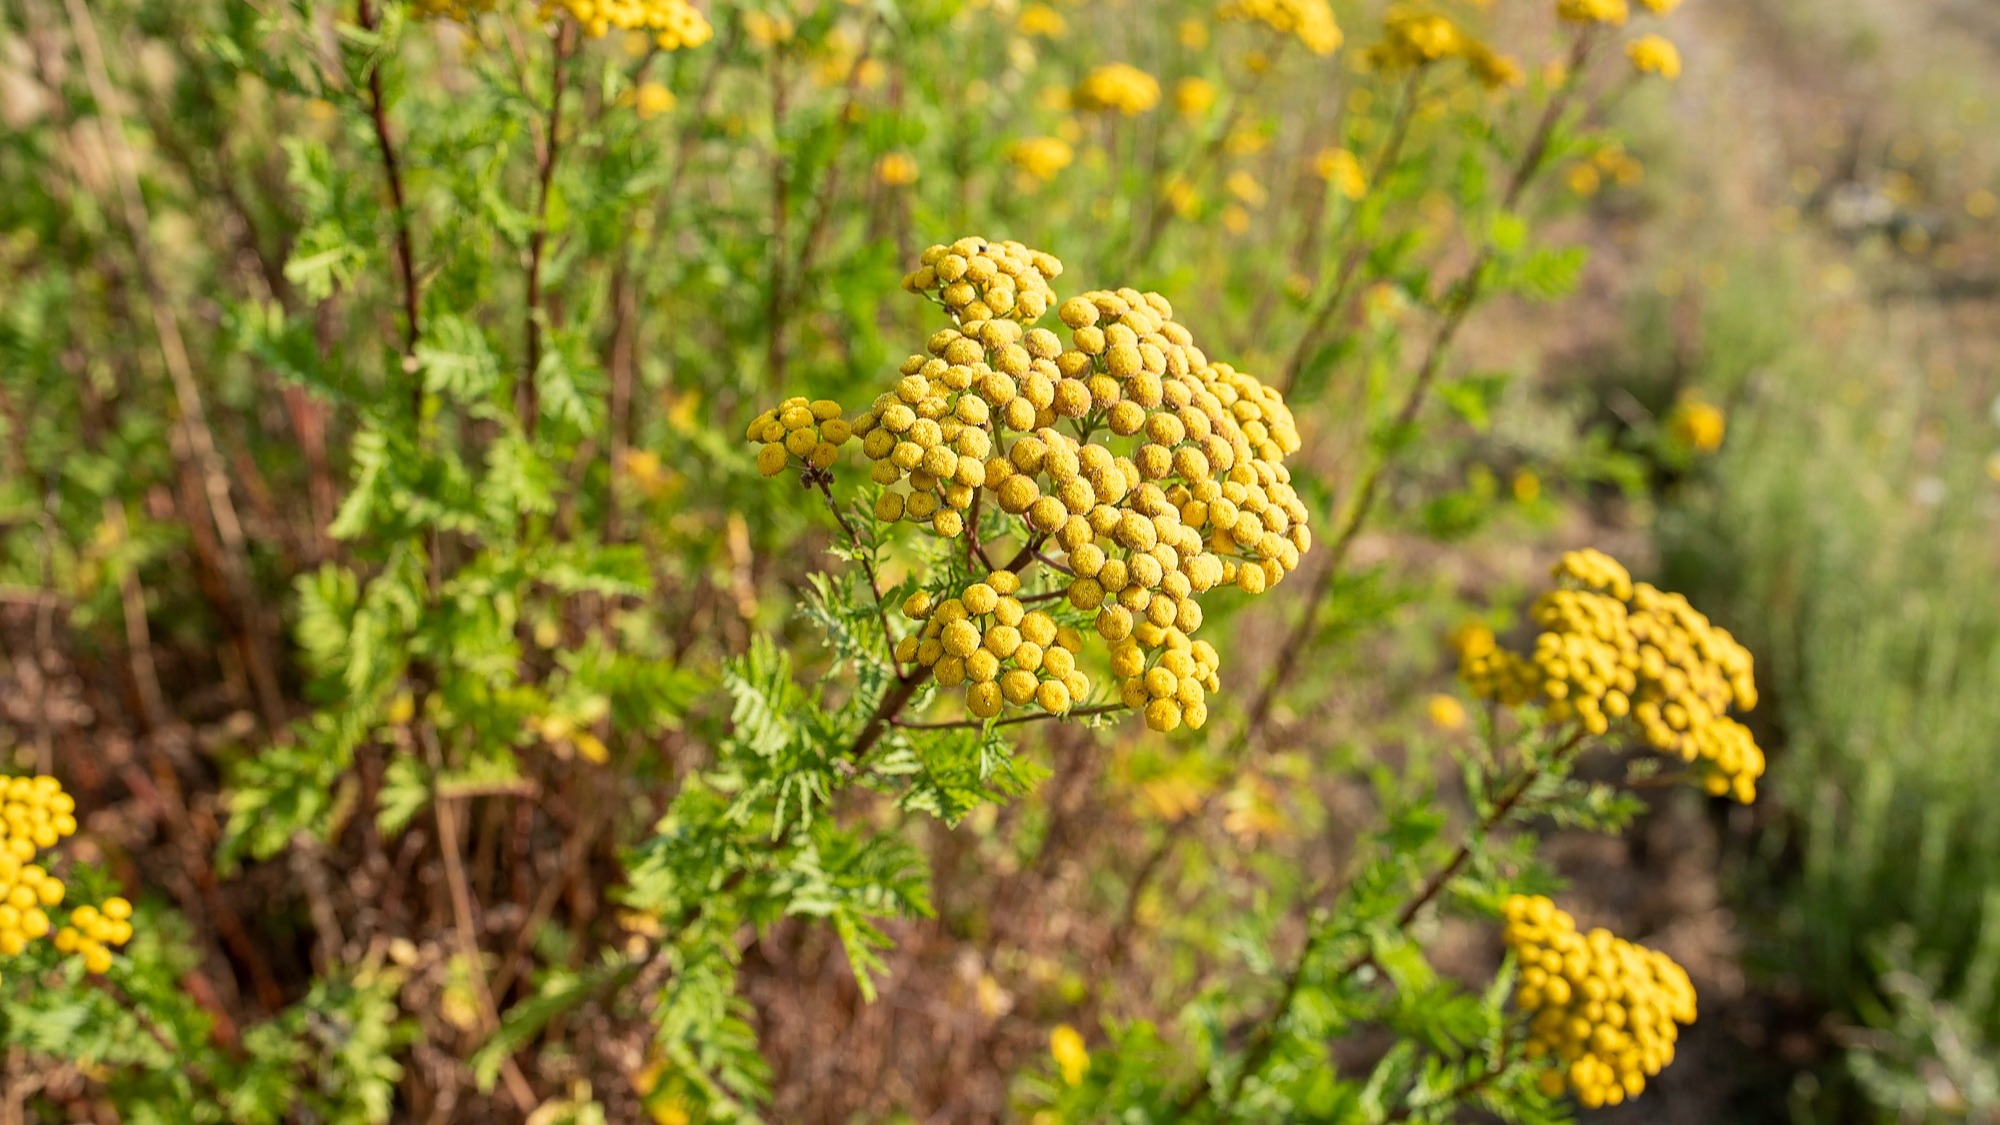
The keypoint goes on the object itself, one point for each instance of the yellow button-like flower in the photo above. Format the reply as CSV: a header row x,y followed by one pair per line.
x,y
1041,21
1342,169
1613,12
1655,54
1118,87
1194,96
1697,424
1041,157
896,169
652,99
1072,1058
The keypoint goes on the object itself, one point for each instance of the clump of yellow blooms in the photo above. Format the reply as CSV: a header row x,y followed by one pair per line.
x,y
1043,158
810,432
1041,21
1342,169
1660,7
896,169
1118,87
674,24
1194,96
1607,1010
1655,54
1698,424
1610,651
1310,21
36,814
93,931
1143,472
1411,37
1613,12
979,280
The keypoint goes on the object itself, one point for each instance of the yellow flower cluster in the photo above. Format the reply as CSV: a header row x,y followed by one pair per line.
x,y
1660,7
93,931
1006,653
35,814
1311,21
1699,425
812,432
1655,54
1118,87
1607,1010
1041,157
1610,650
1146,473
1614,12
1412,37
1342,169
674,23
1040,21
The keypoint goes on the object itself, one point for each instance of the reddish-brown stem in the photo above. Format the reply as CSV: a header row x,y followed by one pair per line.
x,y
527,395
973,724
385,147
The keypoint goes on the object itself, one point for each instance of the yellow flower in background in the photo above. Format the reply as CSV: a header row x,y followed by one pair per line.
x,y
1245,187
652,99
1613,12
896,169
1194,96
1193,34
1445,712
1993,466
674,23
1698,425
1620,165
1071,1056
1182,197
1982,204
1118,87
767,30
1660,7
1527,486
1583,180
1235,219
1655,54
1041,157
1310,21
1342,169
1494,71
1415,38
1041,21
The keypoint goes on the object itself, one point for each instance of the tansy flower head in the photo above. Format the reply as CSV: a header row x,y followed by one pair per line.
x,y
896,169
1194,96
1603,1011
1655,54
1118,87
1613,12
798,432
1660,7
1612,651
1177,485
1412,37
652,99
1041,157
1698,425
1339,167
1041,21
674,23
1311,21
1072,1058
1493,70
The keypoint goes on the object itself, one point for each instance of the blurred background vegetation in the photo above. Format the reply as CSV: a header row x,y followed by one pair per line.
x,y
1802,233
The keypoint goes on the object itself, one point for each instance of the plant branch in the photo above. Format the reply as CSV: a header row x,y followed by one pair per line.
x,y
527,395
972,724
385,147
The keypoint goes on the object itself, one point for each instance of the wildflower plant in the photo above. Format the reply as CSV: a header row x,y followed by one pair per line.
x,y
674,597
